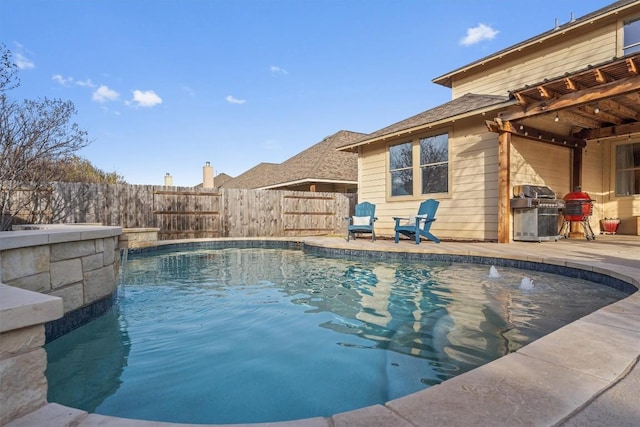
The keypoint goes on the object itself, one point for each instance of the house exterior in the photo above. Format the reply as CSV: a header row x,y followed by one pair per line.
x,y
320,168
561,110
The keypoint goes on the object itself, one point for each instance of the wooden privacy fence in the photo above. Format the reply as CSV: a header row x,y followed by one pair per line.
x,y
181,212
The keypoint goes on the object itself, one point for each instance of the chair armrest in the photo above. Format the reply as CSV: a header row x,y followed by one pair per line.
x,y
398,219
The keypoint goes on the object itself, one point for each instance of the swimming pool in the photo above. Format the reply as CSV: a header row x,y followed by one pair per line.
x,y
249,335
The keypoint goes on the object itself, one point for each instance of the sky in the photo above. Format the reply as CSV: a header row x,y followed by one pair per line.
x,y
163,86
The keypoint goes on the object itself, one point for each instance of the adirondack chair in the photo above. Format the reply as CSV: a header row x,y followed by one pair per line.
x,y
362,221
418,225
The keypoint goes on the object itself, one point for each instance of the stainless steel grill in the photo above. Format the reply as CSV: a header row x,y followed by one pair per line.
x,y
535,213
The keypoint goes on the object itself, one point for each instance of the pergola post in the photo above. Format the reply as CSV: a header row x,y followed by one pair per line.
x,y
504,186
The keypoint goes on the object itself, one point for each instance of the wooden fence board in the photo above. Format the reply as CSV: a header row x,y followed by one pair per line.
x,y
185,212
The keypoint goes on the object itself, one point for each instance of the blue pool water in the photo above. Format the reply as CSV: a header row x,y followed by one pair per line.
x,y
258,335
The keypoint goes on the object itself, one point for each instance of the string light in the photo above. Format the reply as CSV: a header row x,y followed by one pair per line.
x,y
557,119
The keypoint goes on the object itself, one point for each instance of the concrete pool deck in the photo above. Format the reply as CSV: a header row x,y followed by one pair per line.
x,y
584,374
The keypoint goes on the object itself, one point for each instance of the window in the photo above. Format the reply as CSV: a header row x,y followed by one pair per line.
x,y
423,162
631,39
434,164
401,168
628,169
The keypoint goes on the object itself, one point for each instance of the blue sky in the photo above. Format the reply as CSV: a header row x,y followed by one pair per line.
x,y
166,85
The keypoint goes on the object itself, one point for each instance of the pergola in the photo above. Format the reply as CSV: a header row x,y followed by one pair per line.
x,y
601,101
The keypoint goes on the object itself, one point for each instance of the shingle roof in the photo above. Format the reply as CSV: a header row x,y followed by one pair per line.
x,y
251,178
462,105
221,178
446,79
320,162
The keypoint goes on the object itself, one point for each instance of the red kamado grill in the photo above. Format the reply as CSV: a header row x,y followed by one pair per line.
x,y
578,207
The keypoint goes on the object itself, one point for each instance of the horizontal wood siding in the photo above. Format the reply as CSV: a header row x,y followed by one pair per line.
x,y
627,208
595,183
552,58
541,164
472,210
469,212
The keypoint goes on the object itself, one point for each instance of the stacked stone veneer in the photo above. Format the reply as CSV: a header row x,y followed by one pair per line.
x,y
44,274
76,263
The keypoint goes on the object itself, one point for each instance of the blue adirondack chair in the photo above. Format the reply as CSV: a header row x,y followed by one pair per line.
x,y
418,225
362,221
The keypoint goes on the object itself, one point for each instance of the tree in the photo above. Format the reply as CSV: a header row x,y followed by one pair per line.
x,y
35,135
77,169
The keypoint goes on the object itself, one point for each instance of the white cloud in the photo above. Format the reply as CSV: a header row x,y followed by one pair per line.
x,y
85,83
61,80
22,62
275,70
148,98
477,34
104,94
190,91
231,100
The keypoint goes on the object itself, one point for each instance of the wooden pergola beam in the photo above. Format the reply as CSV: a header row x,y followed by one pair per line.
x,y
533,134
570,84
631,66
578,119
620,109
610,131
574,99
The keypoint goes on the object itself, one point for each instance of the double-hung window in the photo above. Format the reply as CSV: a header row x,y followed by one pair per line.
x,y
631,38
420,167
434,164
401,168
628,169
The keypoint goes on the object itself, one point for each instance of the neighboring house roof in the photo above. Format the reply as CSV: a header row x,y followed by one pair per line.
x,y
252,178
221,178
321,162
613,8
458,108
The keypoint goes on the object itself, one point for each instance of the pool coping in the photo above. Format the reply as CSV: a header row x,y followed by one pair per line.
x,y
555,380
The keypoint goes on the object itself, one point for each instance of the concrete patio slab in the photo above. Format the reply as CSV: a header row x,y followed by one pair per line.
x,y
514,390
617,406
50,415
373,416
589,348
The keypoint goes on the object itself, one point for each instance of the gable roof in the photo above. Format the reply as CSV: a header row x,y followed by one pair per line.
x,y
610,10
252,178
321,162
458,108
221,178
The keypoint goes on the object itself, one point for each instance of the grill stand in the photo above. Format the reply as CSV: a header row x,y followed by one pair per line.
x,y
565,229
578,209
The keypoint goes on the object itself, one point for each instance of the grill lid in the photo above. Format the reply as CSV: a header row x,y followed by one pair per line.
x,y
533,192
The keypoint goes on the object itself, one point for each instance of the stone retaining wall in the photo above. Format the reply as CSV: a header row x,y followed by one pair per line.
x,y
23,361
78,263
46,272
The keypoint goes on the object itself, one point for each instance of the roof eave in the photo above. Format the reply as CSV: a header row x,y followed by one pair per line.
x,y
307,180
444,121
447,79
